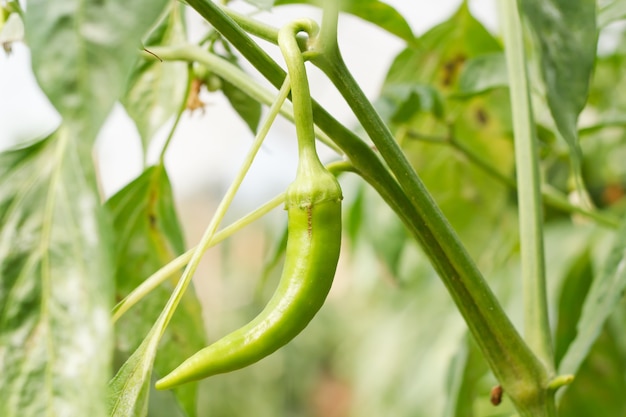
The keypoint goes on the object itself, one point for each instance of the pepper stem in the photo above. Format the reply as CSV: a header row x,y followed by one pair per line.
x,y
300,92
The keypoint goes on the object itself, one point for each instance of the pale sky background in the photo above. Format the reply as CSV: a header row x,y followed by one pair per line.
x,y
208,148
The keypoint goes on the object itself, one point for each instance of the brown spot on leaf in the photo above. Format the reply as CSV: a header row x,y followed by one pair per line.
x,y
451,69
481,116
152,202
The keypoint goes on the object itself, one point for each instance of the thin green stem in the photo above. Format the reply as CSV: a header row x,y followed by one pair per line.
x,y
536,321
551,197
301,94
618,122
253,26
560,381
176,264
403,133
330,23
179,114
555,199
207,237
235,76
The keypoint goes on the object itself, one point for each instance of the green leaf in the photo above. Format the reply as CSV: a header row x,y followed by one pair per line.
x,y
442,52
246,107
82,53
128,392
483,73
599,386
457,406
157,89
377,12
575,288
465,384
387,241
566,35
163,403
480,124
400,102
148,235
382,15
354,223
389,238
55,282
604,295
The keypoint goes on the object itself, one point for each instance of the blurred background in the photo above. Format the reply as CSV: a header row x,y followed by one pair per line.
x,y
389,340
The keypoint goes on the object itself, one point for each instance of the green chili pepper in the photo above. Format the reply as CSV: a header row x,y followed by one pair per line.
x,y
313,203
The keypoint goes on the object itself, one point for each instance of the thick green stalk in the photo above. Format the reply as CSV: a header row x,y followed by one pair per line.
x,y
518,370
536,323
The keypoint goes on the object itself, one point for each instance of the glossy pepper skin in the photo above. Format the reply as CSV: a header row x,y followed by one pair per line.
x,y
313,203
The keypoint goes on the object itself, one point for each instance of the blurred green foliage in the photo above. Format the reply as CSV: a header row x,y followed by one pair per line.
x,y
390,341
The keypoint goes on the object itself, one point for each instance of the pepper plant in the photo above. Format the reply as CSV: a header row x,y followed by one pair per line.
x,y
490,163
